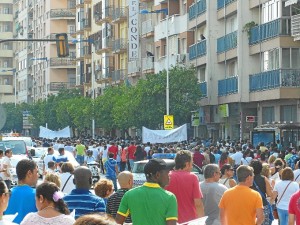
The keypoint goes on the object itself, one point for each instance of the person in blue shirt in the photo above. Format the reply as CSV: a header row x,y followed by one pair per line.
x,y
112,170
81,199
22,200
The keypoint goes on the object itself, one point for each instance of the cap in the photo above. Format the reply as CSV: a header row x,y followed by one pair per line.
x,y
156,165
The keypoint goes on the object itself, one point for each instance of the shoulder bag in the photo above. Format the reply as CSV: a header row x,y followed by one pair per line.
x,y
275,213
62,190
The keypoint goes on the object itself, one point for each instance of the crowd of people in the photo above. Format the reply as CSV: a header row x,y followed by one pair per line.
x,y
243,184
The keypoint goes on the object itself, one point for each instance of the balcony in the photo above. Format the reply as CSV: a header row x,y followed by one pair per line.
x,y
57,86
222,3
6,53
104,75
103,16
7,17
274,79
118,75
227,42
103,45
79,3
269,30
119,46
148,64
119,15
296,27
228,86
134,67
6,89
59,14
197,9
203,89
86,23
147,28
197,50
87,51
62,62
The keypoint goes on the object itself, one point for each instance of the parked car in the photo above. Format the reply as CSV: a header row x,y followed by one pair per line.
x,y
139,177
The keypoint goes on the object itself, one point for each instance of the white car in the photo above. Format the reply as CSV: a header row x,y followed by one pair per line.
x,y
139,177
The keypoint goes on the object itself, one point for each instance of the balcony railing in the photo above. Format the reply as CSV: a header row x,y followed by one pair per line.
x,y
119,14
62,62
147,27
103,43
295,25
203,89
103,15
134,67
118,75
222,3
57,86
197,9
274,79
105,73
228,86
270,30
148,63
86,23
62,13
197,50
87,50
227,42
119,45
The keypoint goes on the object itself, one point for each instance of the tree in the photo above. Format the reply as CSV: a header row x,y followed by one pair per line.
x,y
14,117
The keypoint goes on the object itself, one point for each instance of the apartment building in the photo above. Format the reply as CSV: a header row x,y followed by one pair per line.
x,y
248,66
40,72
7,74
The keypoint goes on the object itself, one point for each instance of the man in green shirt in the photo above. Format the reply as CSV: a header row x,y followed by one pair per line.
x,y
80,152
150,204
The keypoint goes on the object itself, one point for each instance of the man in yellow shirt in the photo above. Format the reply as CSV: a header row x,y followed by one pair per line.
x,y
80,152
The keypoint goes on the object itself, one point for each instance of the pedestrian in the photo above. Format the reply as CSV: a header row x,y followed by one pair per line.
x,y
22,200
198,158
212,192
51,207
227,173
66,177
81,198
131,151
80,152
53,177
111,169
4,198
150,204
125,179
104,188
124,155
185,186
139,154
6,166
240,204
294,210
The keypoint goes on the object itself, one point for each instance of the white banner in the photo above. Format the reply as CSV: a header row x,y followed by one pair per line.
x,y
133,30
47,133
165,136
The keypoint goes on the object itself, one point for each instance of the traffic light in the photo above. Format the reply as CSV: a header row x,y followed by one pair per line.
x,y
62,45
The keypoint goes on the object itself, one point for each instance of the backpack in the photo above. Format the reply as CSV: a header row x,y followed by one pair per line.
x,y
212,158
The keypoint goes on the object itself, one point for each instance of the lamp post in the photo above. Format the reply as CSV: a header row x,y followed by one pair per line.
x,y
165,11
15,83
91,42
46,78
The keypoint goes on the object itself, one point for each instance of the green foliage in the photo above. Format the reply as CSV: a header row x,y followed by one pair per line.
x,y
248,26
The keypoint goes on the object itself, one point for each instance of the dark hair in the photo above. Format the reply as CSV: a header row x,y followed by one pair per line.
x,y
67,167
23,167
111,154
47,190
257,166
60,150
182,157
3,187
94,219
7,151
51,164
225,167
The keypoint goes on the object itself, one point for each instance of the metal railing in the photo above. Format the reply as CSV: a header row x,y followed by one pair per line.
x,y
56,86
105,13
203,89
118,75
62,62
228,86
197,50
119,44
270,30
222,3
227,42
134,66
197,9
295,25
87,50
86,22
274,79
119,13
147,27
57,13
148,63
103,43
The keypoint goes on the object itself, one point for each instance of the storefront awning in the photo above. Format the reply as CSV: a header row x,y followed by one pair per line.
x,y
290,2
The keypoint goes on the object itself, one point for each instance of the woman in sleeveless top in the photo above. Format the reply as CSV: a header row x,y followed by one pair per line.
x,y
227,174
262,183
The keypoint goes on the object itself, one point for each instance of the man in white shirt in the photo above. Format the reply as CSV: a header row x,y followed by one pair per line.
x,y
48,158
237,157
6,165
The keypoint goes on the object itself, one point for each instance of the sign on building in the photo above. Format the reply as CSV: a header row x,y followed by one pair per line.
x,y
195,120
133,31
168,122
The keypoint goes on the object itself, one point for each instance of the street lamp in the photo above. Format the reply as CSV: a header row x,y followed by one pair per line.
x,y
46,78
15,83
90,41
165,11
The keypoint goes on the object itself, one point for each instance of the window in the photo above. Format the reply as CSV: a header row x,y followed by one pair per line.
x,y
295,58
286,60
288,113
271,60
268,115
271,11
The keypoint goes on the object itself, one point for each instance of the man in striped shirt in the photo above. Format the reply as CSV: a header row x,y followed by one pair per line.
x,y
81,199
125,179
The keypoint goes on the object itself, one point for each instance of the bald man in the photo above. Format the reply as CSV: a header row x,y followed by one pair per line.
x,y
125,179
81,199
